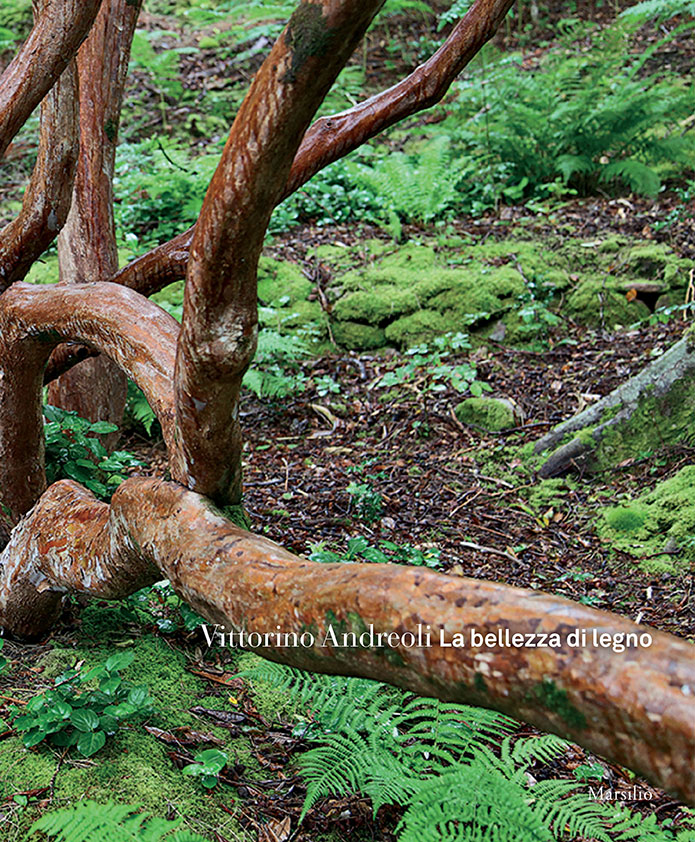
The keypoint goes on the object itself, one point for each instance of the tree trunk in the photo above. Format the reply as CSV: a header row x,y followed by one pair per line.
x,y
654,408
96,388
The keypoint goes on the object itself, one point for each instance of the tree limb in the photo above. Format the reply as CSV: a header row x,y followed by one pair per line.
x,y
219,328
60,29
96,388
636,707
331,138
47,198
133,331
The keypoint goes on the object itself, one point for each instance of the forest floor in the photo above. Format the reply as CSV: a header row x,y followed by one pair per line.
x,y
369,465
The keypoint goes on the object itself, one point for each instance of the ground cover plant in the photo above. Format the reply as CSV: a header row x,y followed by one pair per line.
x,y
408,358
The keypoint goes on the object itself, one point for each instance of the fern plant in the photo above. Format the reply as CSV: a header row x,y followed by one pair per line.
x,y
584,116
457,770
89,821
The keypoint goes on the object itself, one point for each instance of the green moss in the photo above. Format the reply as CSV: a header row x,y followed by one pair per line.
x,y
420,326
133,767
358,337
656,421
661,519
595,302
307,36
489,413
376,307
550,493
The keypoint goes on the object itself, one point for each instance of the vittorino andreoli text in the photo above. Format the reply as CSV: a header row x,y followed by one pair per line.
x,y
424,636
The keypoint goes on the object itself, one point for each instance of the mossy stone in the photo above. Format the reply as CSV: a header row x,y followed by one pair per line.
x,y
420,326
494,414
657,521
358,337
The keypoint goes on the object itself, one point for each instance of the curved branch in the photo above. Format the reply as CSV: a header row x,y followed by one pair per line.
x,y
132,331
47,198
219,328
331,138
636,707
57,34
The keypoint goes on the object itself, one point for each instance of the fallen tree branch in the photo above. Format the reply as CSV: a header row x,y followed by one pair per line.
x,y
654,383
635,707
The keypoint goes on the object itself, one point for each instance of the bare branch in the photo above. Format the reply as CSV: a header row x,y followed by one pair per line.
x,y
636,707
61,27
218,336
132,331
47,198
331,138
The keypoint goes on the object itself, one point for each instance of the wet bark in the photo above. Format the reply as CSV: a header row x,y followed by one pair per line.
x,y
220,320
138,336
636,708
61,27
96,388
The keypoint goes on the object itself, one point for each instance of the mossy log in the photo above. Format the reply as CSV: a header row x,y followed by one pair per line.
x,y
653,408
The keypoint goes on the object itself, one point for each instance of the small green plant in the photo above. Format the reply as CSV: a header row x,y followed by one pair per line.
x,y
3,660
589,772
71,716
88,821
161,605
428,362
73,451
359,548
326,385
208,765
369,502
139,409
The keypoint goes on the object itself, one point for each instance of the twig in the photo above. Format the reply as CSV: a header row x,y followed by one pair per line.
x,y
471,546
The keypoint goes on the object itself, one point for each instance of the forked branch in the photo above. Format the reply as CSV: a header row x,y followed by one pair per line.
x,y
331,138
134,332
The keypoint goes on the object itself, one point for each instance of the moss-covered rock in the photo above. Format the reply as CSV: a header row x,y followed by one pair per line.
x,y
358,337
494,414
595,302
421,326
658,528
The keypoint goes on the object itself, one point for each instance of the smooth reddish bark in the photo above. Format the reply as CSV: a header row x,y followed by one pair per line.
x,y
220,318
635,707
47,198
136,334
96,388
60,29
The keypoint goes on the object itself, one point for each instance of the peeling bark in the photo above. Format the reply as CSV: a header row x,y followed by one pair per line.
x,y
47,198
96,388
60,29
135,333
220,319
636,708
333,137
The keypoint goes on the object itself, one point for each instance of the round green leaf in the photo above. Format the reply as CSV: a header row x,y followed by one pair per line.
x,y
84,720
90,743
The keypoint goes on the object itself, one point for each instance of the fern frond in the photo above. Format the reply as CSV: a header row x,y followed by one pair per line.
x,y
92,822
